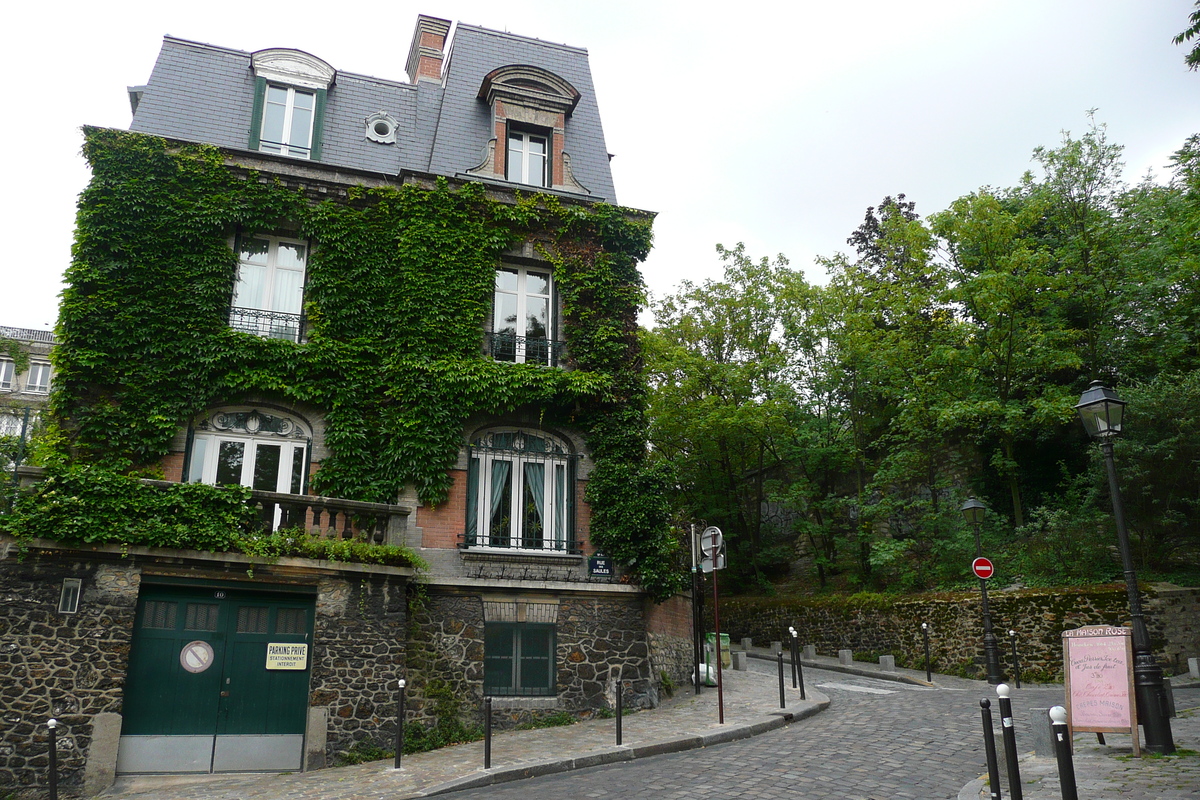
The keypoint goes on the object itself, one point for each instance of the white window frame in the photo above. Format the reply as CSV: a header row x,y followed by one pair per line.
x,y
7,374
38,378
286,146
521,143
206,449
253,430
501,327
274,291
507,446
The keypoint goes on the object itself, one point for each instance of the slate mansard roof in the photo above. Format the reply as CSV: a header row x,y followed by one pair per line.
x,y
203,93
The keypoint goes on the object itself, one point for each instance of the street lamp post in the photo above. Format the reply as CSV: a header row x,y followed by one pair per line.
x,y
973,511
1102,412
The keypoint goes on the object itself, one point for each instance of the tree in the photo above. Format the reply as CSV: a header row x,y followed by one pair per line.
x,y
723,389
1192,59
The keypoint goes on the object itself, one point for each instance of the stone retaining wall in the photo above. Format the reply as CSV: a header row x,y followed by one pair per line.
x,y
598,637
871,625
67,666
358,653
669,634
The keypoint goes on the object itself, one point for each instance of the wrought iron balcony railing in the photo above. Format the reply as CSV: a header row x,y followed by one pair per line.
x,y
533,542
525,349
267,324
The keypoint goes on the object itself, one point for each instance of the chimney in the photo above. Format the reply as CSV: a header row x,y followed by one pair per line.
x,y
426,53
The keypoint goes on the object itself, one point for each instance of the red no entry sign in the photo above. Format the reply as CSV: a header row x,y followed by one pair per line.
x,y
983,568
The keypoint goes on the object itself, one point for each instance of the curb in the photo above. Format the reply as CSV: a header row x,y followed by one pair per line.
x,y
613,755
972,790
862,672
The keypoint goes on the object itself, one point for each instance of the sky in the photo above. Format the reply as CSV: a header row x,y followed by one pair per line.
x,y
775,124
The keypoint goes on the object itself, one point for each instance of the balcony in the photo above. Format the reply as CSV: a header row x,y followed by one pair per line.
x,y
326,517
524,349
267,324
314,516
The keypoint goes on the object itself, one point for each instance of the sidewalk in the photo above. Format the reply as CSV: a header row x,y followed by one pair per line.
x,y
684,722
1110,771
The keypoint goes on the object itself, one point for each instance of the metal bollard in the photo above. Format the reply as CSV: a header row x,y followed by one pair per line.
x,y
989,749
925,632
800,672
782,702
795,656
487,733
1016,663
399,723
619,704
1062,751
53,726
1010,742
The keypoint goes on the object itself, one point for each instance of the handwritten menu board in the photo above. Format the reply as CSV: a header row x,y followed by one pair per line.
x,y
1098,669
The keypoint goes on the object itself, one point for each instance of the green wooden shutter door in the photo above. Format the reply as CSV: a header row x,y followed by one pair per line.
x,y
537,657
256,112
498,654
318,136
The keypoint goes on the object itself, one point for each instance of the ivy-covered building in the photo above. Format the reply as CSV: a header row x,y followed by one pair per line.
x,y
348,389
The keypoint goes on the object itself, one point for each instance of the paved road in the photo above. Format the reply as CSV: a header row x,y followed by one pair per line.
x,y
879,740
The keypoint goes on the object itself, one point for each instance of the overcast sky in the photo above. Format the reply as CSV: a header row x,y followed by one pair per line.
x,y
775,124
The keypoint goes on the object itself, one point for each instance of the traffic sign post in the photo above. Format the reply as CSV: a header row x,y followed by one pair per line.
x,y
712,545
983,569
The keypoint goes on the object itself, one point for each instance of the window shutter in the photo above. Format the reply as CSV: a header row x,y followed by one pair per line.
x,y
187,453
318,134
472,530
256,113
498,657
572,534
536,659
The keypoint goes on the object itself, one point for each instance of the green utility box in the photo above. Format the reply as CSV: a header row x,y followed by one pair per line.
x,y
726,659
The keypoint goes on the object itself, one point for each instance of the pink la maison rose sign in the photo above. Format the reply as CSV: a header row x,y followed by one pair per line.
x,y
1098,678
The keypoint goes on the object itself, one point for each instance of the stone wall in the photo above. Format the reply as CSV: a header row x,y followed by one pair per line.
x,y
598,638
1176,613
601,640
358,654
67,666
669,635
871,625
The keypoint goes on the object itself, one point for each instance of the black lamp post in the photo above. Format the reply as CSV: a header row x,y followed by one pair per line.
x,y
1102,413
973,511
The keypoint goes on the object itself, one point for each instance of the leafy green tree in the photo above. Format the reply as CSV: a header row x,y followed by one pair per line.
x,y
723,389
1192,59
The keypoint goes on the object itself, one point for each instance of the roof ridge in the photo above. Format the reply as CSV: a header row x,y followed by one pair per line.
x,y
520,38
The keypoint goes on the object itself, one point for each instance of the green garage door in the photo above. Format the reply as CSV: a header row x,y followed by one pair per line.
x,y
218,681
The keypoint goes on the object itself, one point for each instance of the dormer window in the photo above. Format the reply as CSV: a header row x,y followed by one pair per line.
x,y
289,102
288,121
530,109
526,160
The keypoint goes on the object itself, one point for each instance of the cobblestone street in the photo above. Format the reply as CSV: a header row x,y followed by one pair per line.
x,y
876,740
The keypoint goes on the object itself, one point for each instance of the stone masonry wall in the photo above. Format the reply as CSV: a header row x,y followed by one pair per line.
x,y
601,640
1175,613
359,652
67,666
669,635
877,625
597,639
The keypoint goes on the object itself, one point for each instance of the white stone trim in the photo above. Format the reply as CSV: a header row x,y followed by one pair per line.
x,y
292,67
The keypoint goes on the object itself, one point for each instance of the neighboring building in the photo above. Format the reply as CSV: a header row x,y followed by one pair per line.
x,y
25,378
400,313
